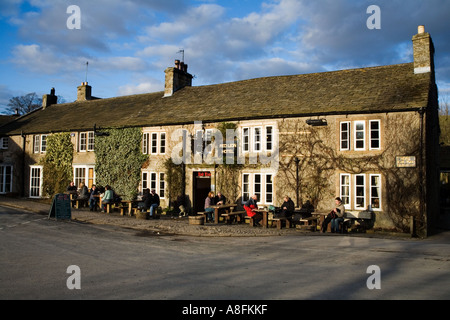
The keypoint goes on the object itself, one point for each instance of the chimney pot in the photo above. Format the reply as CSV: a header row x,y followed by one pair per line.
x,y
421,29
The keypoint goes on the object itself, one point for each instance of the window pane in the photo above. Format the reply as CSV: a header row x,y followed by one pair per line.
x,y
245,187
82,142
360,135
375,134
245,138
257,139
162,148
375,184
360,192
269,138
345,189
145,143
154,143
257,186
91,141
269,189
162,185
345,135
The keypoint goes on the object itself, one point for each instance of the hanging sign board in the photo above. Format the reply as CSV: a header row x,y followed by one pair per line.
x,y
61,207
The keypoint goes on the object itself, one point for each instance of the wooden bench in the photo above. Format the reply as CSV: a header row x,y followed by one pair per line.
x,y
79,203
309,223
123,209
156,212
234,215
108,207
251,221
204,216
280,221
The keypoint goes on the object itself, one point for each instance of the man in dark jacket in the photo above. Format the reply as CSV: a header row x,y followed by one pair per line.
x,y
287,208
154,203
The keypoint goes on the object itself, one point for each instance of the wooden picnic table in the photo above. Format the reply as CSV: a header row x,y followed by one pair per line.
x,y
222,208
265,214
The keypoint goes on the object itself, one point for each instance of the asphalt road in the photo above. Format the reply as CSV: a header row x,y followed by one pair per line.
x,y
116,263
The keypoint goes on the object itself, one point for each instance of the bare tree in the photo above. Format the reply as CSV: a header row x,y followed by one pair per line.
x,y
24,104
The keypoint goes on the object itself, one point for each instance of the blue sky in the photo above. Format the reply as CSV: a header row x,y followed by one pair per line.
x,y
129,43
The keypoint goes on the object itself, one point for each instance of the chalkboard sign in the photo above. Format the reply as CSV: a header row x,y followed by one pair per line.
x,y
61,207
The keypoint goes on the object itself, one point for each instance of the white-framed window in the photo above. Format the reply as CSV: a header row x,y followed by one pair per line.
x,y
36,143
245,139
345,136
86,141
6,174
260,184
162,185
360,135
245,186
40,143
154,181
345,189
85,174
269,138
4,143
36,181
145,137
375,191
154,143
374,135
358,191
162,142
258,138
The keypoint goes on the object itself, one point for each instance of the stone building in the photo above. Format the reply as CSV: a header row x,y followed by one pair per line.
x,y
368,135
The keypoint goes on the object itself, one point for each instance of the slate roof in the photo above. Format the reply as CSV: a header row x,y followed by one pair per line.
x,y
366,90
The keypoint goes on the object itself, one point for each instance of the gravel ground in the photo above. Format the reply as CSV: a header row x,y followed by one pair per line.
x,y
181,226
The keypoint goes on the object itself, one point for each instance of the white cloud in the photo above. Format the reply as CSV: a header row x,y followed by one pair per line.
x,y
147,86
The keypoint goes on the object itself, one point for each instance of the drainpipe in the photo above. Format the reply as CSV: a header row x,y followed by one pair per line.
x,y
297,161
24,140
421,175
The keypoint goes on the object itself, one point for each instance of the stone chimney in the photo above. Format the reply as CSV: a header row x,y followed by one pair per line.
x,y
176,78
84,92
49,99
423,52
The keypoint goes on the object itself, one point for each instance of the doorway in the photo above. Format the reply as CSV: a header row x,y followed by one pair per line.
x,y
201,188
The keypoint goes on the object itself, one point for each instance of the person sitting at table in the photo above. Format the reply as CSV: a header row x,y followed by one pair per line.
x,y
93,198
250,206
220,199
154,203
144,204
287,208
72,188
209,202
336,216
83,192
108,197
